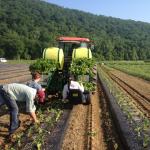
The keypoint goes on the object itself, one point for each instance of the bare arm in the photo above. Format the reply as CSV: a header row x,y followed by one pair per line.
x,y
33,115
43,89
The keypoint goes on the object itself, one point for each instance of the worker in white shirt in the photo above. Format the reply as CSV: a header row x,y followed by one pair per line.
x,y
71,84
10,93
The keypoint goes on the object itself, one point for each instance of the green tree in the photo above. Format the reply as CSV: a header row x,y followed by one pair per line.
x,y
12,45
134,54
28,26
2,53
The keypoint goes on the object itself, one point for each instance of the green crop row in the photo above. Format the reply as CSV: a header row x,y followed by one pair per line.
x,y
82,66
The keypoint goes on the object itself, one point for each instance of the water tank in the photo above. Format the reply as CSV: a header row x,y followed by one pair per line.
x,y
81,52
54,53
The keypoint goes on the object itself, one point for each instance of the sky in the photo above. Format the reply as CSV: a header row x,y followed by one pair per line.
x,y
138,10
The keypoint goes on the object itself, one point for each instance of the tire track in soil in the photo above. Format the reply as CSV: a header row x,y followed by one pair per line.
x,y
84,129
77,127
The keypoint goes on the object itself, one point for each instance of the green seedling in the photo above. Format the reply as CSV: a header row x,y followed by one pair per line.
x,y
146,141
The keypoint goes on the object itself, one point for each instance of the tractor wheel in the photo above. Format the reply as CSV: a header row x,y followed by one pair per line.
x,y
88,99
60,95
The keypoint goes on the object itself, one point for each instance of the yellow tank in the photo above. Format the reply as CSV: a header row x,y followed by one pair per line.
x,y
81,53
54,53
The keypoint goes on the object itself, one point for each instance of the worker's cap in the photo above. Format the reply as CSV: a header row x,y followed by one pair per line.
x,y
41,96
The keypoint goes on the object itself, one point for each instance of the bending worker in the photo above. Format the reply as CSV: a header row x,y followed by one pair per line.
x,y
10,93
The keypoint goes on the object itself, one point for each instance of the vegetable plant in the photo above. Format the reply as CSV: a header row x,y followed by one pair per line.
x,y
43,66
81,67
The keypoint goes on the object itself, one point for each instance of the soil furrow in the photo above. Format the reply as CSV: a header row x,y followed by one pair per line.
x,y
141,100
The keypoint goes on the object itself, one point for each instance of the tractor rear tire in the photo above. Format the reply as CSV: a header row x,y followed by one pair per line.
x,y
88,99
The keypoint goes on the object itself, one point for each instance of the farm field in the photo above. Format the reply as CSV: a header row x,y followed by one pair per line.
x,y
136,68
27,62
141,85
20,73
132,94
52,117
81,126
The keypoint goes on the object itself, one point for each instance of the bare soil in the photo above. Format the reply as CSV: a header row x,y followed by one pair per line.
x,y
84,130
142,86
18,73
91,127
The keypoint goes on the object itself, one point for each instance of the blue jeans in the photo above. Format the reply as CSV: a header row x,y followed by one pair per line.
x,y
13,109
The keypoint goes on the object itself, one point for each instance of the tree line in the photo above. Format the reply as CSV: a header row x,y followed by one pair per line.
x,y
29,26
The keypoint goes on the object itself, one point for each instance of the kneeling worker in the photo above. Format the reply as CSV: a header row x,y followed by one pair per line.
x,y
71,84
10,93
36,77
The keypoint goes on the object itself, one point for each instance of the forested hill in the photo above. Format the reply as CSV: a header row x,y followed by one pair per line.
x,y
28,26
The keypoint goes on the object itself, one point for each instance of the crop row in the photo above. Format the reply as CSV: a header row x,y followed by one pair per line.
x,y
138,121
140,69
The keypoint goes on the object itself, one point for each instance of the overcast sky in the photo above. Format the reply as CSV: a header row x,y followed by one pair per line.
x,y
138,10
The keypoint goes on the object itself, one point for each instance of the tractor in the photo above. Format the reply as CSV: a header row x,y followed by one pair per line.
x,y
68,51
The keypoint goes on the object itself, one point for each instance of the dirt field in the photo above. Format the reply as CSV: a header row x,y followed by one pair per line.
x,y
139,84
79,134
